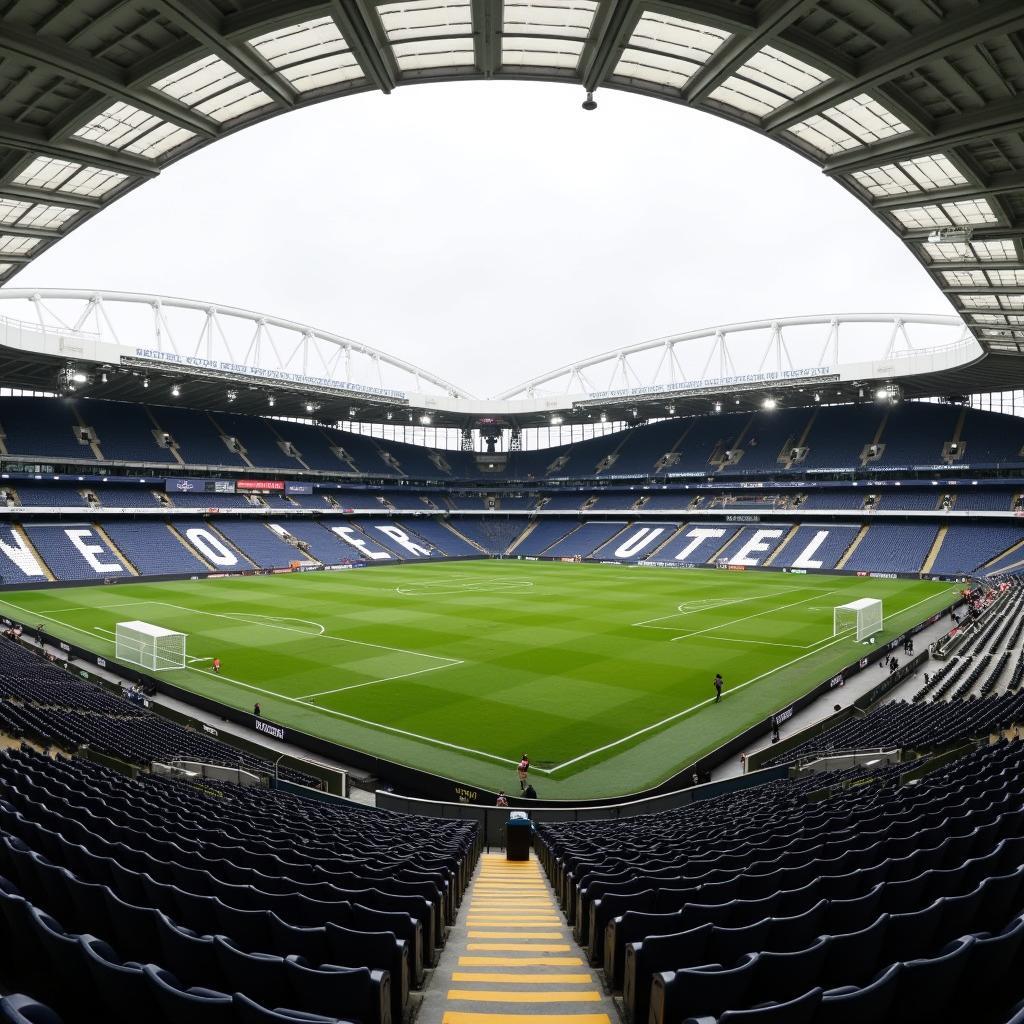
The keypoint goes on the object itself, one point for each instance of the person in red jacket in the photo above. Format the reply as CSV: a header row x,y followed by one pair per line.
x,y
524,767
216,664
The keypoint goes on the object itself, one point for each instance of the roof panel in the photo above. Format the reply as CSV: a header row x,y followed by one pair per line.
x,y
420,19
965,278
212,87
424,54
17,245
540,51
566,18
769,80
963,212
55,175
123,126
27,214
309,55
668,51
859,121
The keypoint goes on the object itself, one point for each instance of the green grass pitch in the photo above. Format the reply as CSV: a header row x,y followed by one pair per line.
x,y
602,673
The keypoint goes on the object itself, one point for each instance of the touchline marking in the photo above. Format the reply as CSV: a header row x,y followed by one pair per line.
x,y
363,721
744,618
374,682
711,700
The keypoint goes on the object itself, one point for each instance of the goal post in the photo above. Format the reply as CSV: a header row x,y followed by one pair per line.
x,y
864,617
152,647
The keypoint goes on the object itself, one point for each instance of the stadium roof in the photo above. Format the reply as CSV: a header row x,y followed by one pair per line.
x,y
914,106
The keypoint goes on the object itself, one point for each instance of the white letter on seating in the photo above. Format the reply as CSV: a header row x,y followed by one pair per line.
x,y
697,536
211,548
90,551
14,548
403,539
755,546
804,560
349,536
638,541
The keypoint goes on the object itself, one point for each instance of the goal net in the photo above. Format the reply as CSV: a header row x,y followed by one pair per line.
x,y
864,617
152,647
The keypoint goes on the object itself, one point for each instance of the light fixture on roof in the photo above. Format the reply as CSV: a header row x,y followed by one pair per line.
x,y
718,406
232,395
556,421
78,377
769,403
103,378
175,391
604,417
351,412
960,234
589,103
270,401
882,394
390,414
312,406
672,410
425,420
817,397
145,382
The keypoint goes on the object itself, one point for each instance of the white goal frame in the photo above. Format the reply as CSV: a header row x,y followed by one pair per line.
x,y
149,646
865,615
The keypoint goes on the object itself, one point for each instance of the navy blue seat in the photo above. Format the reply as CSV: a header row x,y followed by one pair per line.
x,y
135,928
260,975
783,976
177,1003
250,1012
927,986
287,939
852,957
190,957
65,958
801,1010
18,1009
702,990
121,987
364,993
851,1005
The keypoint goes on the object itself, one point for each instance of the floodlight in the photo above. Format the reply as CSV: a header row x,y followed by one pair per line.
x,y
232,395
425,420
589,103
270,401
556,420
718,406
78,377
145,382
881,394
961,234
769,403
175,391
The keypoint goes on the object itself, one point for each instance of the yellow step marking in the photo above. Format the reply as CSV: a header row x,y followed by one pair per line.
x,y
487,996
527,978
514,935
458,1017
518,947
514,922
520,961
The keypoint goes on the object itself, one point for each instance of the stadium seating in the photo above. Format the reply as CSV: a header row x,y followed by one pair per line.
x,y
124,432
199,441
816,546
210,545
543,535
261,545
50,495
585,538
495,535
112,496
259,440
76,552
52,434
153,548
728,908
968,546
891,548
436,535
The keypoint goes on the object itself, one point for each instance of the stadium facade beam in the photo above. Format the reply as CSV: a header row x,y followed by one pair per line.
x,y
13,229
202,21
34,140
899,58
993,185
40,195
487,24
105,78
354,21
774,16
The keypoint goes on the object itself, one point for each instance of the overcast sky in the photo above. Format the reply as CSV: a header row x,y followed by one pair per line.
x,y
492,231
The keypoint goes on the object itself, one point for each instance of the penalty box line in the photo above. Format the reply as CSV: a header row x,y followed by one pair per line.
x,y
297,700
710,700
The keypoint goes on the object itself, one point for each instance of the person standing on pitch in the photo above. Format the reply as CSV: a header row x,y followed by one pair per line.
x,y
524,767
719,683
216,664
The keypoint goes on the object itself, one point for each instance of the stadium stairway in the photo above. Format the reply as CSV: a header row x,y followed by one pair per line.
x,y
510,957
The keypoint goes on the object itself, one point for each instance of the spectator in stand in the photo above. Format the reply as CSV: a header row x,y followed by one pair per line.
x,y
502,800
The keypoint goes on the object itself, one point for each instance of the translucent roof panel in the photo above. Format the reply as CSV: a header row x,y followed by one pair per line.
x,y
979,301
310,55
212,87
1006,278
966,278
668,51
123,126
5,268
16,245
63,176
995,249
1011,301
421,19
988,318
860,121
769,80
566,18
27,214
961,213
434,53
919,175
540,51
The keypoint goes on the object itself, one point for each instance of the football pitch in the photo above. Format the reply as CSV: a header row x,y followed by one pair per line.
x,y
601,673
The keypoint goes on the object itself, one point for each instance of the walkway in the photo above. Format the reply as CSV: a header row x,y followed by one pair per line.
x,y
511,959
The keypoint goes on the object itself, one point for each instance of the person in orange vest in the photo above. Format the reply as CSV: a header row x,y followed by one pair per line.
x,y
216,664
524,767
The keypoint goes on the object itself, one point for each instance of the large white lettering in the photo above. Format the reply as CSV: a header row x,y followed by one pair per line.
x,y
90,551
15,548
638,541
402,539
805,559
697,536
211,547
349,536
756,546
